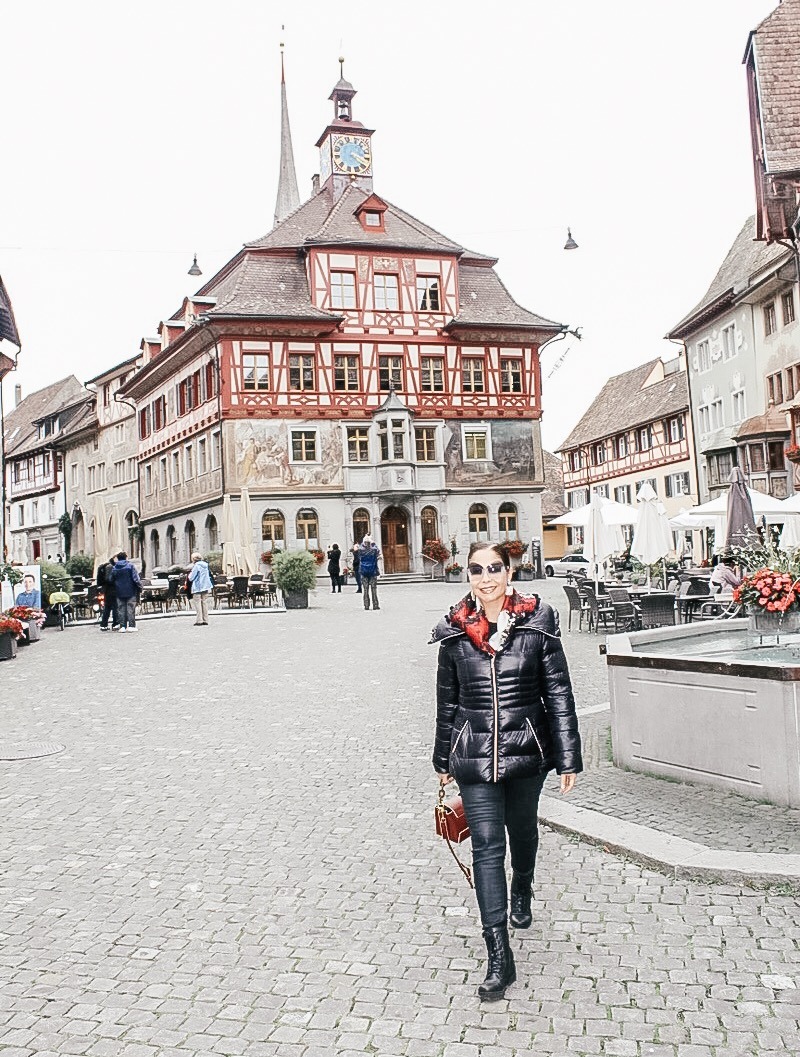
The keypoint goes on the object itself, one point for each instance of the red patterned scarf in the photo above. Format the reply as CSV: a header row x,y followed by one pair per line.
x,y
470,619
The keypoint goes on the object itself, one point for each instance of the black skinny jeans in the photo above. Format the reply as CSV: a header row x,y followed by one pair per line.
x,y
491,809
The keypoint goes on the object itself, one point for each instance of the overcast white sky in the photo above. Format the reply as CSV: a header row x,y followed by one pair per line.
x,y
137,134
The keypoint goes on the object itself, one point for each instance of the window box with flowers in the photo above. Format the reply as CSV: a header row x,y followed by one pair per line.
x,y
453,573
10,630
515,548
792,452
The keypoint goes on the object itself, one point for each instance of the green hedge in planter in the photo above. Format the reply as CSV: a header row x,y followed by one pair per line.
x,y
294,571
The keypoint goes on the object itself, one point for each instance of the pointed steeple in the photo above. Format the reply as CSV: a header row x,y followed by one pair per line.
x,y
288,197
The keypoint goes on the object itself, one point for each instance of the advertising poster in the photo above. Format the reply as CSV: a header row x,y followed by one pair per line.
x,y
29,591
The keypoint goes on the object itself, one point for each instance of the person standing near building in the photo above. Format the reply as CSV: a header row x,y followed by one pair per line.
x,y
127,585
335,568
356,552
369,554
201,585
105,583
505,717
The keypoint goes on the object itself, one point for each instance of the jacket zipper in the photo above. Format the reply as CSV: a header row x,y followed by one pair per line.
x,y
496,709
458,739
535,737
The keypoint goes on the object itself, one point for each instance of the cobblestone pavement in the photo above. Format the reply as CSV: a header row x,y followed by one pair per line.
x,y
215,865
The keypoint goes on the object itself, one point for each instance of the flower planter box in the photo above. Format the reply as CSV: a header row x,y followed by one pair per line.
x,y
32,633
762,622
8,646
523,574
453,578
296,599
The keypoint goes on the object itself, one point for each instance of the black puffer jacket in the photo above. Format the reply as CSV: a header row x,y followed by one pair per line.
x,y
510,714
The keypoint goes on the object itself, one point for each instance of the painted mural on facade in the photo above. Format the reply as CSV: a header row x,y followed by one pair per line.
x,y
261,454
512,449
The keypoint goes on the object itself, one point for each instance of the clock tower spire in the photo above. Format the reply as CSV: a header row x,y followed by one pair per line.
x,y
345,147
288,198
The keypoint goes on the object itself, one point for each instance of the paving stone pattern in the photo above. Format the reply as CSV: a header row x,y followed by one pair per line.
x,y
216,864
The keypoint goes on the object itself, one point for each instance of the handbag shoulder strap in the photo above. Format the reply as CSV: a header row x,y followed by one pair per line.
x,y
442,812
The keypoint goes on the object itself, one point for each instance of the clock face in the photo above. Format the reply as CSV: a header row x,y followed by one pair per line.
x,y
351,154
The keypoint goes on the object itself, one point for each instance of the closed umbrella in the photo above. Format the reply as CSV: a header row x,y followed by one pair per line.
x,y
790,536
116,543
101,551
600,540
652,537
230,548
742,531
247,552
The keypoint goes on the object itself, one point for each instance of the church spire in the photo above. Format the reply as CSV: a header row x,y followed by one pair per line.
x,y
288,197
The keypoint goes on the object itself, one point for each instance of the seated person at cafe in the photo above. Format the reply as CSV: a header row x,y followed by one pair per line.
x,y
725,576
29,595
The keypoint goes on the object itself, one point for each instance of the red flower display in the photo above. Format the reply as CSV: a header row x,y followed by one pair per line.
x,y
768,589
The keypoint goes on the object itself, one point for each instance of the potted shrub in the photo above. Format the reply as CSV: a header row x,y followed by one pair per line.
x,y
295,574
10,630
214,560
452,573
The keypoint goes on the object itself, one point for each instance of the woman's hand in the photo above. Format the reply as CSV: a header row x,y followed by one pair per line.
x,y
567,783
444,778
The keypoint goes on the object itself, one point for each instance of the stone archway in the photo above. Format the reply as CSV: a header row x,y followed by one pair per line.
x,y
394,540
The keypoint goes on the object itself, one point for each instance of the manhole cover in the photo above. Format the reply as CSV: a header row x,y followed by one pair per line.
x,y
29,750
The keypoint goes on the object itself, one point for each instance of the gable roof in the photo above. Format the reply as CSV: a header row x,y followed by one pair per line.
x,y
20,425
625,402
744,259
776,47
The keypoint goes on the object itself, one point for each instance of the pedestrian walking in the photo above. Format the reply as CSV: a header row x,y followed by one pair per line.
x,y
105,582
356,552
368,566
201,586
127,585
335,568
505,716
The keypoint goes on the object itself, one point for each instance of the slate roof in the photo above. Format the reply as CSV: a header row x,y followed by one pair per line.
x,y
776,43
21,433
625,402
321,222
553,495
484,300
745,259
267,286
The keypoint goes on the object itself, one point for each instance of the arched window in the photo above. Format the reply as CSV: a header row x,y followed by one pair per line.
x,y
132,534
191,539
155,548
360,524
308,528
507,519
273,530
212,533
172,545
478,523
430,524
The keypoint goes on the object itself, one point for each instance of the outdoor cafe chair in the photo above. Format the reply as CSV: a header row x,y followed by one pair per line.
x,y
577,604
257,589
657,610
221,591
240,593
600,610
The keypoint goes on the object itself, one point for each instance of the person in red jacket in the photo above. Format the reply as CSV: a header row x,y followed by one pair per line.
x,y
505,717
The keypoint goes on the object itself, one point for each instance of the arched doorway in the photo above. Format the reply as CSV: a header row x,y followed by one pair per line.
x,y
190,535
394,540
78,540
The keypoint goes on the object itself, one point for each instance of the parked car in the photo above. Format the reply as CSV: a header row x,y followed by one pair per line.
x,y
570,563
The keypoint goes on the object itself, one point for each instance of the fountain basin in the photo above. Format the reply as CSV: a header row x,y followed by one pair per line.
x,y
710,703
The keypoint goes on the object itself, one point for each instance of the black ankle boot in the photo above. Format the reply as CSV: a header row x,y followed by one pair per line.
x,y
501,971
520,916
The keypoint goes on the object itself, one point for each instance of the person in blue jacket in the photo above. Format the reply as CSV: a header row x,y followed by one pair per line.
x,y
368,565
128,586
202,585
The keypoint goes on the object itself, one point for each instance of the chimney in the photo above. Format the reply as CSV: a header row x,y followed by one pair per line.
x,y
17,395
315,184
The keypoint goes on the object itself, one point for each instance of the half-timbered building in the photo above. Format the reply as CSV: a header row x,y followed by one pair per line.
x,y
638,428
356,371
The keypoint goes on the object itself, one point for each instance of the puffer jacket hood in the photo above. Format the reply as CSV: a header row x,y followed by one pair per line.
x,y
508,712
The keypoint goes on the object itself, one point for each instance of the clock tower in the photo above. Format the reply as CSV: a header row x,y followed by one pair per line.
x,y
345,147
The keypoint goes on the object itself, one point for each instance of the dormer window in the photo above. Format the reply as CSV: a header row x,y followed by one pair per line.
x,y
371,214
48,427
373,220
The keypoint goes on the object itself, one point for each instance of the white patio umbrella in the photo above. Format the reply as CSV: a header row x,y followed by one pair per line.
x,y
652,537
116,540
790,534
763,506
230,543
613,513
101,551
600,539
247,552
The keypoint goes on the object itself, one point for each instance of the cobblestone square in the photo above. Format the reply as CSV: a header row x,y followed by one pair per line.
x,y
234,854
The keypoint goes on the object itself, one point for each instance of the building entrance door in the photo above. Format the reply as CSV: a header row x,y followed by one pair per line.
x,y
394,540
36,546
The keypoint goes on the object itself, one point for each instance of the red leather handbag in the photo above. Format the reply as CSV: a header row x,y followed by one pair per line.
x,y
452,825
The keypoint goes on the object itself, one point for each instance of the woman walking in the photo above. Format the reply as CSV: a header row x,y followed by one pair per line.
x,y
505,717
334,568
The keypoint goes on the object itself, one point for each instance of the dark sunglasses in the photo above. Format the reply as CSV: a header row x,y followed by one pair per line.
x,y
492,570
